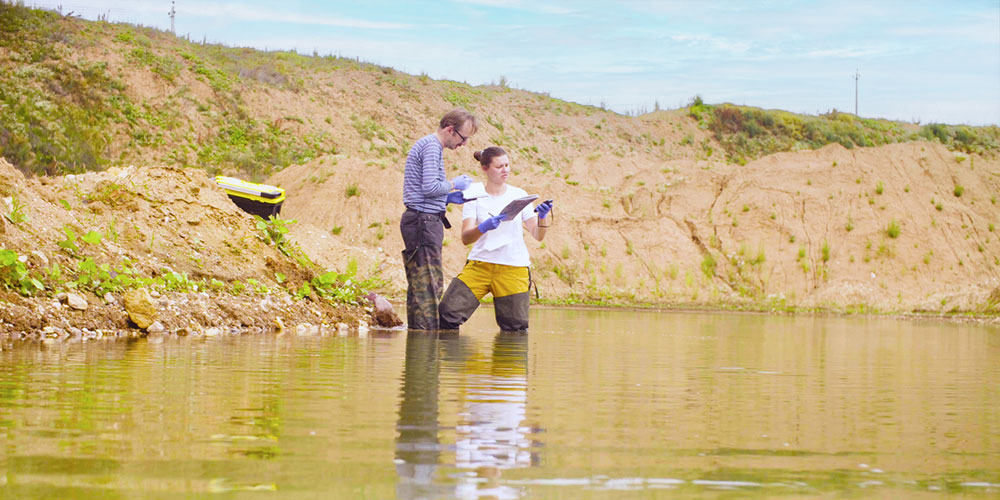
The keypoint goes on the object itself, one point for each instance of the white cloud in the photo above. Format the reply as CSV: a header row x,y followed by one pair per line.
x,y
845,53
228,11
541,7
244,12
713,42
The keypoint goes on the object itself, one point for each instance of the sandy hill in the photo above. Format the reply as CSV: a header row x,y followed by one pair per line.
x,y
688,207
866,229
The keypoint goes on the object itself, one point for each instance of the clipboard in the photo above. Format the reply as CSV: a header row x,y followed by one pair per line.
x,y
514,207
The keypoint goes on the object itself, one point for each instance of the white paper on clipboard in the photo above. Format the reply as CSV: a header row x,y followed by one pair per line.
x,y
475,190
514,207
510,228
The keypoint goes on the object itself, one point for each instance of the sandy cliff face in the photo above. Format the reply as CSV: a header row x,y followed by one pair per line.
x,y
807,229
823,219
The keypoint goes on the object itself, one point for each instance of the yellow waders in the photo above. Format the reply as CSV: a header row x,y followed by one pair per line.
x,y
508,284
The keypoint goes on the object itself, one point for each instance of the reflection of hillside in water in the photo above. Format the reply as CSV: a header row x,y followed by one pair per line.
x,y
489,436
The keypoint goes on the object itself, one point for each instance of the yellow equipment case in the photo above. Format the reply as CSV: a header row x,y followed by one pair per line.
x,y
253,198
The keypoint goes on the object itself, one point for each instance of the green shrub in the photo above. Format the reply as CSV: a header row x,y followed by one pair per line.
x,y
708,265
936,131
962,138
369,129
15,275
258,150
56,132
18,210
167,68
892,230
460,100
748,133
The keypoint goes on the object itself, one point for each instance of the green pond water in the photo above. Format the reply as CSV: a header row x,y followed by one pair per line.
x,y
589,404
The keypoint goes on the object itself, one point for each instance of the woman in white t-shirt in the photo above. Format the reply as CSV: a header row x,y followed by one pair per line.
x,y
498,262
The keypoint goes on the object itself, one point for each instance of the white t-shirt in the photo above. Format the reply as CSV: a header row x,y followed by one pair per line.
x,y
505,244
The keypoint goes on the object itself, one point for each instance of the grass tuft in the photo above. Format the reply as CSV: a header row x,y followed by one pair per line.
x,y
892,230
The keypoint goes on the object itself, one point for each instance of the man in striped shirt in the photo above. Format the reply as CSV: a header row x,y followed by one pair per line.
x,y
426,193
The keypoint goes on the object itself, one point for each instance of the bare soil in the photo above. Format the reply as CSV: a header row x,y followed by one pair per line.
x,y
805,230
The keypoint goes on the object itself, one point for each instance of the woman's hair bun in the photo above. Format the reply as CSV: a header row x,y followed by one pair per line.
x,y
477,154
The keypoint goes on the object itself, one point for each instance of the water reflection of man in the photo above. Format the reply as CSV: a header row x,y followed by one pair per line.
x,y
418,449
490,435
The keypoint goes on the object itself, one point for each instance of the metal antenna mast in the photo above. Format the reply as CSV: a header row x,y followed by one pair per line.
x,y
172,13
857,76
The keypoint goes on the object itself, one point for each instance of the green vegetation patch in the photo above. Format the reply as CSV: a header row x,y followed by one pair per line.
x,y
54,112
163,66
30,34
60,114
258,149
749,133
963,138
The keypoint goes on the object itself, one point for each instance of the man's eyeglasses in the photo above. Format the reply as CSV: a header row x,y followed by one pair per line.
x,y
455,130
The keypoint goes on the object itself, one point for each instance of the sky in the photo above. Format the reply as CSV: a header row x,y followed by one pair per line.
x,y
921,61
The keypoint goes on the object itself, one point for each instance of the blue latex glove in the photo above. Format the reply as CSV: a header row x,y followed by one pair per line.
x,y
491,223
455,197
544,208
461,182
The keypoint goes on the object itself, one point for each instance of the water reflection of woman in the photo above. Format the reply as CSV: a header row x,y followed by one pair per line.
x,y
490,435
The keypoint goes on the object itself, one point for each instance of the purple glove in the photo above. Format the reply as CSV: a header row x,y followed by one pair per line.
x,y
461,182
491,223
455,197
544,208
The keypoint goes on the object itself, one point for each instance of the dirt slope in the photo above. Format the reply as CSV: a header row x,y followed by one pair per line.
x,y
644,231
153,222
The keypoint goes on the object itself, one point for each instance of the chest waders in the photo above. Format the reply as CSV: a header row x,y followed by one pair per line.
x,y
508,284
423,234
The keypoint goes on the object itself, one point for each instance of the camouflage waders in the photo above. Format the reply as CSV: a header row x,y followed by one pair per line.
x,y
423,234
508,284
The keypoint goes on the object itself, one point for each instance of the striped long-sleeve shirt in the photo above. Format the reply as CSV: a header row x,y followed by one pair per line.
x,y
425,186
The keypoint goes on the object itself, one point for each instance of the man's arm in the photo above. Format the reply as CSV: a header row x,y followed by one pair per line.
x,y
430,169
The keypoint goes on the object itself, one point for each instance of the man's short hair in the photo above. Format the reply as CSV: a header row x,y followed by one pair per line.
x,y
457,117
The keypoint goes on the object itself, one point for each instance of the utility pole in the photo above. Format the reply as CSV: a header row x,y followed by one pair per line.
x,y
857,76
172,13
